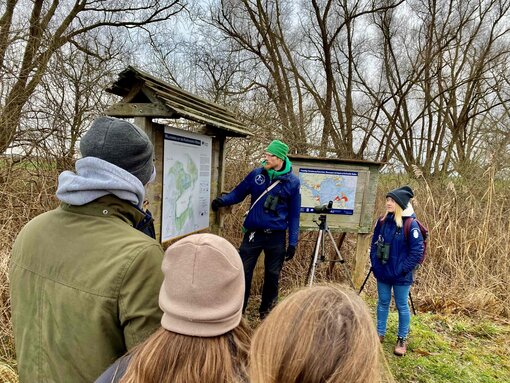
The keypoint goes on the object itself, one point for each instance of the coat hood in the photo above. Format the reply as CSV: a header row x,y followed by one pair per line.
x,y
96,178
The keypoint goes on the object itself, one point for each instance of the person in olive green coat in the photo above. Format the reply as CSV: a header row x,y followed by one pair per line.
x,y
84,278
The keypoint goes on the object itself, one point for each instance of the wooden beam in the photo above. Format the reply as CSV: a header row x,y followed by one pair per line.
x,y
179,103
139,110
151,95
217,182
190,99
191,114
204,109
133,92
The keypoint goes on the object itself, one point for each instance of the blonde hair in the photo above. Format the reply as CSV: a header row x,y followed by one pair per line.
x,y
170,357
319,334
397,216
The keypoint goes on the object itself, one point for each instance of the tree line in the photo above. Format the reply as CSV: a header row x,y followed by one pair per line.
x,y
419,84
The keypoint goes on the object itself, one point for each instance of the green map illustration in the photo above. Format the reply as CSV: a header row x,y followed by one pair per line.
x,y
185,176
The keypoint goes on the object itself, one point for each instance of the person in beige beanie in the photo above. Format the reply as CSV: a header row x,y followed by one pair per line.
x,y
202,337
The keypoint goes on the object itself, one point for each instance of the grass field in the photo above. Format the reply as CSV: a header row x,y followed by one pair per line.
x,y
451,349
441,348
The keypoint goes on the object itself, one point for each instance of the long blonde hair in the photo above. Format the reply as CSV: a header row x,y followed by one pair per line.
x,y
397,216
319,334
174,358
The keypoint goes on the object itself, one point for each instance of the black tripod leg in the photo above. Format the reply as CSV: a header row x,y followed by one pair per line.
x,y
412,303
365,281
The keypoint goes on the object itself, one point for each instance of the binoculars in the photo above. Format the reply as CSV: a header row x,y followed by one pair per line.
x,y
270,203
383,251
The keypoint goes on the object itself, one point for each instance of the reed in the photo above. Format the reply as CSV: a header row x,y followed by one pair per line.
x,y
467,268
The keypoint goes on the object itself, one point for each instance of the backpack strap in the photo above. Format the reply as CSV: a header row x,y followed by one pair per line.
x,y
380,222
407,226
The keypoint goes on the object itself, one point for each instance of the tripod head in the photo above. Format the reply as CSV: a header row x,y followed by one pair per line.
x,y
323,210
319,254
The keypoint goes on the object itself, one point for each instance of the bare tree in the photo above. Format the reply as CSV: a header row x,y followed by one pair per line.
x,y
413,83
440,81
51,26
69,96
304,58
264,31
335,33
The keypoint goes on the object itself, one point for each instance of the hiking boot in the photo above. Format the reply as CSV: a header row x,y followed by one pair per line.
x,y
400,347
381,338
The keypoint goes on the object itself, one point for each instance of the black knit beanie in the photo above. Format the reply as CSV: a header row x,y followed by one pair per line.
x,y
120,143
401,196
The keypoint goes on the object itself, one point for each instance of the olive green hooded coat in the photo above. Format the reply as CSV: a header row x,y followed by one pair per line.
x,y
84,290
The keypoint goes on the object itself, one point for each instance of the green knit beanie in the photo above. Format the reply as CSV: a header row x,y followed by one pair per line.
x,y
278,149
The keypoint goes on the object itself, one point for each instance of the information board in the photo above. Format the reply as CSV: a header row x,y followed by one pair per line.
x,y
186,183
350,184
320,186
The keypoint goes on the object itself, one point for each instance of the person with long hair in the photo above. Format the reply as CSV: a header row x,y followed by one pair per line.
x,y
320,334
394,258
202,338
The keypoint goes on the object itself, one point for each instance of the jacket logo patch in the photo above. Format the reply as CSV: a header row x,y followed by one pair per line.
x,y
415,233
260,179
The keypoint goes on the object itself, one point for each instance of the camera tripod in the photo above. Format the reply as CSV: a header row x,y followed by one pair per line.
x,y
319,255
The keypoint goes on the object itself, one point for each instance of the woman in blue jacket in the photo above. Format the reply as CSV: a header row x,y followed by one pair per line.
x,y
394,257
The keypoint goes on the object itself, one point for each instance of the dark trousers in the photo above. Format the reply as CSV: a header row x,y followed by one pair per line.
x,y
273,245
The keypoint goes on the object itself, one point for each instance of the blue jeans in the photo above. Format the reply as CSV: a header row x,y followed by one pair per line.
x,y
401,294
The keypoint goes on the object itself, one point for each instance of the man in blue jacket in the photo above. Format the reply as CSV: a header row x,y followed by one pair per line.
x,y
274,209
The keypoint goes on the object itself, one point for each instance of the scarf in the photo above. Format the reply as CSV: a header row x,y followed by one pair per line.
x,y
274,173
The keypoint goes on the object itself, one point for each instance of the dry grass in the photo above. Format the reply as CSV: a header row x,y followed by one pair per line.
x,y
6,341
25,192
467,268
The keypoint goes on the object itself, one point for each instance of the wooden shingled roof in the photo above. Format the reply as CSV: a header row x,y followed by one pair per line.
x,y
146,96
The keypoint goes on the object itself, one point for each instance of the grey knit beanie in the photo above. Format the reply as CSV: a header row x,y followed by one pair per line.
x,y
120,143
203,288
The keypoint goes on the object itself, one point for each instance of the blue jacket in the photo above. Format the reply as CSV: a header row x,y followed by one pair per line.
x,y
404,255
286,214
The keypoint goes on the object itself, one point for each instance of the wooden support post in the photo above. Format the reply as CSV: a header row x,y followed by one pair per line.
x,y
217,180
154,190
360,261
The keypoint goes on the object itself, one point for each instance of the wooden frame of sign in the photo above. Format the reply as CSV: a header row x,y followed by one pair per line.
x,y
351,185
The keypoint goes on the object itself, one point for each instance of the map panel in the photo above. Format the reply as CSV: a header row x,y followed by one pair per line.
x,y
186,183
319,186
